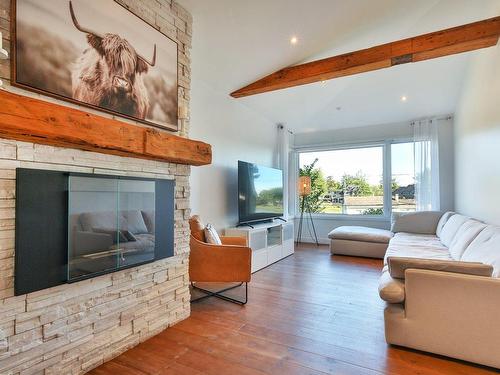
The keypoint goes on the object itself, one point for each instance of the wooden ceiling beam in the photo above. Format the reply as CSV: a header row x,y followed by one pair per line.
x,y
458,39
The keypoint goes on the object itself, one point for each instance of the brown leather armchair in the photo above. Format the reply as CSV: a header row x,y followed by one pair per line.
x,y
226,263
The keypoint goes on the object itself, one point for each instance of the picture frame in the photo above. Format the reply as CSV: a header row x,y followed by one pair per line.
x,y
79,58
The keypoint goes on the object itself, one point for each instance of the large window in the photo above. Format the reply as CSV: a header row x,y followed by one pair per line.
x,y
403,177
345,181
357,180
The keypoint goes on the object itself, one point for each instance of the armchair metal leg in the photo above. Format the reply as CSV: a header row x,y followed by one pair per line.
x,y
218,294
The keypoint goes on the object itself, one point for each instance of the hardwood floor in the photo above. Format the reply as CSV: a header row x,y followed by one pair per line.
x,y
307,314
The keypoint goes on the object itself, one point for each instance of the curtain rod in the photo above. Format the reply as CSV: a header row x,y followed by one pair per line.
x,y
449,117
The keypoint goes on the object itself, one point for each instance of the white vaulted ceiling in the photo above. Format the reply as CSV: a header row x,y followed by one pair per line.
x,y
239,41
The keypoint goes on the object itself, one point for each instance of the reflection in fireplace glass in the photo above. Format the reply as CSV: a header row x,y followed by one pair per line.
x,y
111,224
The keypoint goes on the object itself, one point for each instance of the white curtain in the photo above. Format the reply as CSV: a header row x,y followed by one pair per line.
x,y
282,162
425,134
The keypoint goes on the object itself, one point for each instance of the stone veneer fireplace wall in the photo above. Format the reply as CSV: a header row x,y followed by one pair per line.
x,y
73,328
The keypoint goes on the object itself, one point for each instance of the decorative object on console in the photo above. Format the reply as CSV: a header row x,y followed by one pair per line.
x,y
304,189
229,262
101,56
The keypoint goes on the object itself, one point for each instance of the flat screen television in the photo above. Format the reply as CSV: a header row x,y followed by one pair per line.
x,y
260,192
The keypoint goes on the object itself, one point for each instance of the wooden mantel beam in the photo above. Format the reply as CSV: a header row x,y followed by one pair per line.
x,y
458,39
34,120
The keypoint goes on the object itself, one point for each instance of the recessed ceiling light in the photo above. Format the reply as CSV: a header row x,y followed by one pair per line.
x,y
404,98
293,40
323,82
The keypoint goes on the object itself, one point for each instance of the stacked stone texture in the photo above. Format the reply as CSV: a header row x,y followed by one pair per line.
x,y
72,328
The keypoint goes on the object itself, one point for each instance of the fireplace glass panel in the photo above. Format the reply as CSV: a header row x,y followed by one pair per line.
x,y
111,224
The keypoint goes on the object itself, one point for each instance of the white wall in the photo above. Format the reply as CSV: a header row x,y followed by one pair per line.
x,y
477,139
355,135
235,132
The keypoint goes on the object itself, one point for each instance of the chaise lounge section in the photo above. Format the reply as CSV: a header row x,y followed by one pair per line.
x,y
443,288
359,241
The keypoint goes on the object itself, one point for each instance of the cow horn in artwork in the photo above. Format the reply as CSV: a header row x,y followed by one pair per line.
x,y
153,60
77,24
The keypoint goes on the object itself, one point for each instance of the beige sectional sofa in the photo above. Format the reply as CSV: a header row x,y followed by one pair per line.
x,y
441,280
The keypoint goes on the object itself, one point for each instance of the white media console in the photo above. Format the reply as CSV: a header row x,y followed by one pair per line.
x,y
269,242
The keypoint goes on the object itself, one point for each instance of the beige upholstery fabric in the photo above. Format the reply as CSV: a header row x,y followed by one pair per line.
x,y
358,248
449,314
398,266
443,221
467,232
417,246
424,222
390,289
451,228
359,241
486,249
355,233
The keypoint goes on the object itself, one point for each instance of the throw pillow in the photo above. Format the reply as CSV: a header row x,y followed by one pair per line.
x,y
149,220
211,235
134,222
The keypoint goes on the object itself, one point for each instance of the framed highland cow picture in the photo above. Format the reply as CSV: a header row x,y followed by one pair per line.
x,y
98,54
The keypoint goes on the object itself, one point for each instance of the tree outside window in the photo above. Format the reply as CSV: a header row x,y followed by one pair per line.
x,y
345,181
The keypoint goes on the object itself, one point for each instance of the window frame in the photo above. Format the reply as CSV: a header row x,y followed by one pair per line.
x,y
386,177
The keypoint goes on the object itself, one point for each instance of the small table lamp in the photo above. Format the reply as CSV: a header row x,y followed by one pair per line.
x,y
304,189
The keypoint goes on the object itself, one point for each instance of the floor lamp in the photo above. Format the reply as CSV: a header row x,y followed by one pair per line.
x,y
304,188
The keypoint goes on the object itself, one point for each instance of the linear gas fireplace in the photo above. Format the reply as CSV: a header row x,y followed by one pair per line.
x,y
73,226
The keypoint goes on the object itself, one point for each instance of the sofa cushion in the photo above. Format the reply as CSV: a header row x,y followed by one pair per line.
x,y
424,222
391,290
417,246
134,222
358,248
444,219
143,242
485,249
465,235
117,236
451,228
101,219
364,234
398,266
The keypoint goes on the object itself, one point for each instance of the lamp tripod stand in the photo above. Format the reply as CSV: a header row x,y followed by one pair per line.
x,y
304,191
